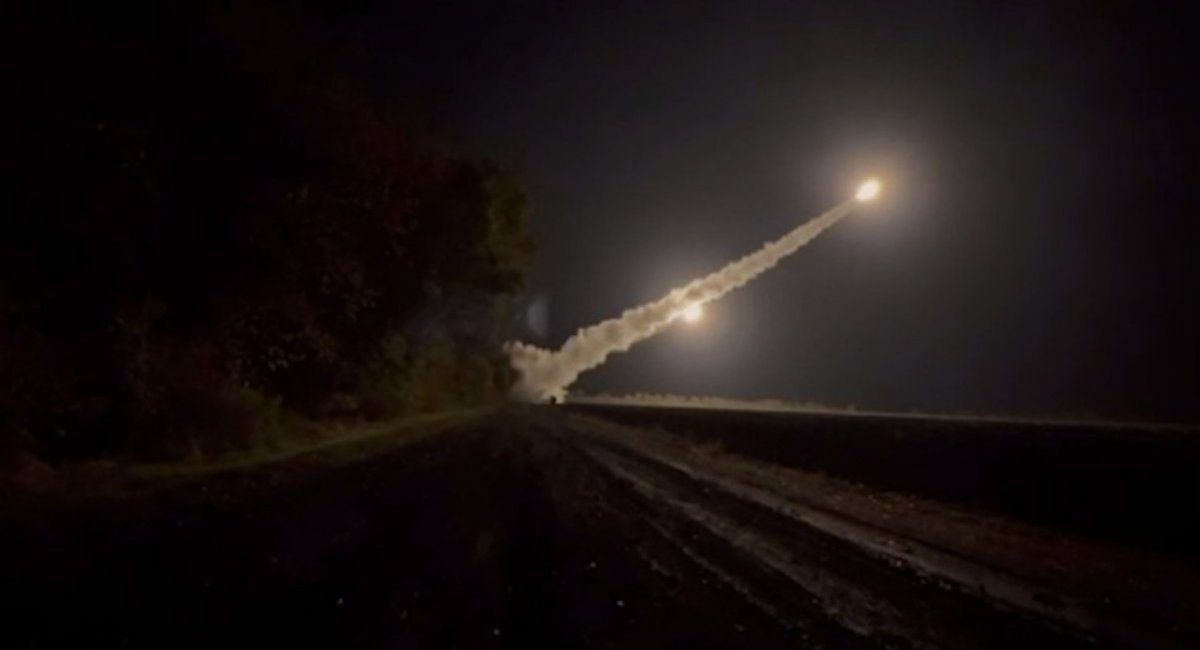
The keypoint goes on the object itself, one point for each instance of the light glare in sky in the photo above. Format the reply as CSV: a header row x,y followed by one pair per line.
x,y
693,313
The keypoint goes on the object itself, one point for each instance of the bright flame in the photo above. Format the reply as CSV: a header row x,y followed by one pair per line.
x,y
868,190
693,313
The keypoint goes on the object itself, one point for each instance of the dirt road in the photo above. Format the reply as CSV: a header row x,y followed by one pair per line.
x,y
550,528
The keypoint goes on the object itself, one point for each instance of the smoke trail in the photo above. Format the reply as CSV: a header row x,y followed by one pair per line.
x,y
547,373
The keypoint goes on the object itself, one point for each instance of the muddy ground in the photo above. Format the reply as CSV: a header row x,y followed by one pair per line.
x,y
1132,484
548,527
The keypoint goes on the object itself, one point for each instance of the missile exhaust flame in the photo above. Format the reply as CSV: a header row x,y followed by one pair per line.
x,y
868,190
692,313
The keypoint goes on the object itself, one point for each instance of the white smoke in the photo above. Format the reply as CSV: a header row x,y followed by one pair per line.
x,y
547,373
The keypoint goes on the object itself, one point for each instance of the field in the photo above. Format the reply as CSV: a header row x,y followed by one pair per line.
x,y
624,527
1132,484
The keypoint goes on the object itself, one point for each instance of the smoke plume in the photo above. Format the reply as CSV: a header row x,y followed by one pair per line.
x,y
547,373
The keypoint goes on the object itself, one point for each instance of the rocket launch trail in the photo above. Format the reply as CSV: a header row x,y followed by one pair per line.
x,y
544,374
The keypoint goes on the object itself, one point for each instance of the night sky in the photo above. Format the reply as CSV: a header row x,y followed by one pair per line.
x,y
1033,253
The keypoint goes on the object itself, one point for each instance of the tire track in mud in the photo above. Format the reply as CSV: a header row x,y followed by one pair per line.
x,y
799,570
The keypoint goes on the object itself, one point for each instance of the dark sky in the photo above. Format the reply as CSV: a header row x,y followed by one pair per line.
x,y
1035,251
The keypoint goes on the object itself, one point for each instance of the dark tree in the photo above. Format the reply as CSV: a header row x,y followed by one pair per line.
x,y
214,229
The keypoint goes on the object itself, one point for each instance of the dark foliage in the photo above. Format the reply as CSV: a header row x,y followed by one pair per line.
x,y
213,227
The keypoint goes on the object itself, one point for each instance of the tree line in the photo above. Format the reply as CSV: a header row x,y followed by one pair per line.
x,y
214,234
